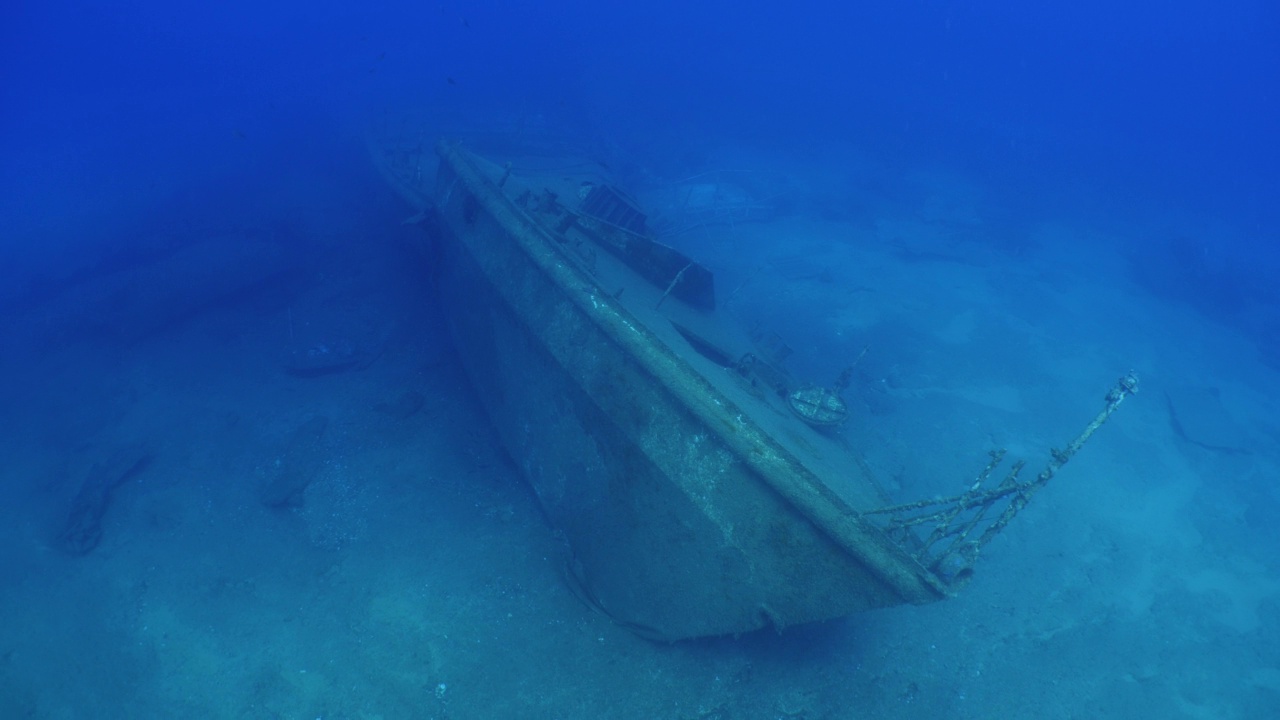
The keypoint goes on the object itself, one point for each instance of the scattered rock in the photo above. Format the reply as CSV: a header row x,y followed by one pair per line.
x,y
137,301
83,529
341,355
327,359
297,465
403,407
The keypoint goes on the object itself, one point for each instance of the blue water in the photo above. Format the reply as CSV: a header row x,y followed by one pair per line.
x,y
1007,205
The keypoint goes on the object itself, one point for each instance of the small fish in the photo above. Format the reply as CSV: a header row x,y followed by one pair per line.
x,y
239,134
450,80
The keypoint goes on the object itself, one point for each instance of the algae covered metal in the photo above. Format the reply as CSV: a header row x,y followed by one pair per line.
x,y
663,445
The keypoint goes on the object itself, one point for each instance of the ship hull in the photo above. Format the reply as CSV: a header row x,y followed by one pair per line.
x,y
681,520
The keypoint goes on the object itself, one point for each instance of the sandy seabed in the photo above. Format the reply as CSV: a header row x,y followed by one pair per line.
x,y
417,579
